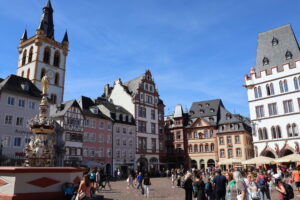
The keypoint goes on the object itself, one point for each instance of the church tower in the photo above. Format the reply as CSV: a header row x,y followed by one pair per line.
x,y
41,54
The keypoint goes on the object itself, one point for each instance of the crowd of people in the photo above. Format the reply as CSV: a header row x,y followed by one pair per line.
x,y
212,184
254,184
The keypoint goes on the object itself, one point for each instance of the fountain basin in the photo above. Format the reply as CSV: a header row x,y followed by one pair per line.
x,y
36,183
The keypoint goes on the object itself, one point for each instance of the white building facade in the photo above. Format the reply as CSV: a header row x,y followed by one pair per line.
x,y
140,97
273,89
19,102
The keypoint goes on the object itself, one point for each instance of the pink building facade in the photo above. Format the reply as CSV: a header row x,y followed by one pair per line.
x,y
97,138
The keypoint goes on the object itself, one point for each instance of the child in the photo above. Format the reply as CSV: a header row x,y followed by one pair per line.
x,y
130,182
69,191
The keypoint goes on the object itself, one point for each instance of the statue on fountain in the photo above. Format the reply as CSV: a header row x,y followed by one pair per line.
x,y
40,150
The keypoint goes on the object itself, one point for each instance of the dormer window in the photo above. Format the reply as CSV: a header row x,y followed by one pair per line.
x,y
228,116
212,110
211,119
25,86
94,110
207,104
200,105
201,111
265,61
274,41
288,55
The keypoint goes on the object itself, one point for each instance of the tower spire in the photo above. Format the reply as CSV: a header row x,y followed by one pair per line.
x,y
66,38
24,36
46,23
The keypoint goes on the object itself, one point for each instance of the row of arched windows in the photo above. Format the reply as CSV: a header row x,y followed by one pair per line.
x,y
292,131
207,148
24,56
199,135
47,56
283,86
56,77
28,73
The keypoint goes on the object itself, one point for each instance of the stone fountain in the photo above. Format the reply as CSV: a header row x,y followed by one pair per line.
x,y
40,151
38,179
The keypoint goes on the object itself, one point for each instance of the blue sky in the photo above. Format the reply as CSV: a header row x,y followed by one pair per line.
x,y
196,49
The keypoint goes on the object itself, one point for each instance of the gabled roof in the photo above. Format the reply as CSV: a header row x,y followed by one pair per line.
x,y
86,104
113,109
58,110
133,84
284,40
205,108
16,84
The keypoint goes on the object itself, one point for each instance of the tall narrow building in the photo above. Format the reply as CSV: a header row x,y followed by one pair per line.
x,y
140,98
273,88
41,54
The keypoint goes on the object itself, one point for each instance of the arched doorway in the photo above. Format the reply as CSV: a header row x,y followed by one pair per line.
x,y
268,154
202,164
286,152
211,163
108,169
153,165
194,164
142,164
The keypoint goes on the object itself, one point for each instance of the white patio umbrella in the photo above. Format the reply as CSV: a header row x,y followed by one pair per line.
x,y
260,160
289,158
229,161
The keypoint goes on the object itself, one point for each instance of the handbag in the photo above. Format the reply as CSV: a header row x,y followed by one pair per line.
x,y
80,196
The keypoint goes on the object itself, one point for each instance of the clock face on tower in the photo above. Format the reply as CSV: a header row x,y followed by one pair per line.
x,y
50,74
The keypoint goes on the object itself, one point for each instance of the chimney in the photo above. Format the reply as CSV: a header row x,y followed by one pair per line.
x,y
106,88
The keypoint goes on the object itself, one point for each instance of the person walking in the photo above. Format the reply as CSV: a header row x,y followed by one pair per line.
x,y
199,193
130,181
262,183
239,189
139,179
279,186
219,184
107,181
173,179
253,193
208,189
147,183
188,186
296,178
230,185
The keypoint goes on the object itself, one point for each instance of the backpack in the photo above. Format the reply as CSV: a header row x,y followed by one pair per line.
x,y
208,187
262,183
289,191
92,176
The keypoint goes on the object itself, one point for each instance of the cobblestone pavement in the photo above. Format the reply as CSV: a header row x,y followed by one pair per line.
x,y
161,188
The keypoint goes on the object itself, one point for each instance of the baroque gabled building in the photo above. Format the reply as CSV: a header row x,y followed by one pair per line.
x,y
141,98
273,88
204,137
41,54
